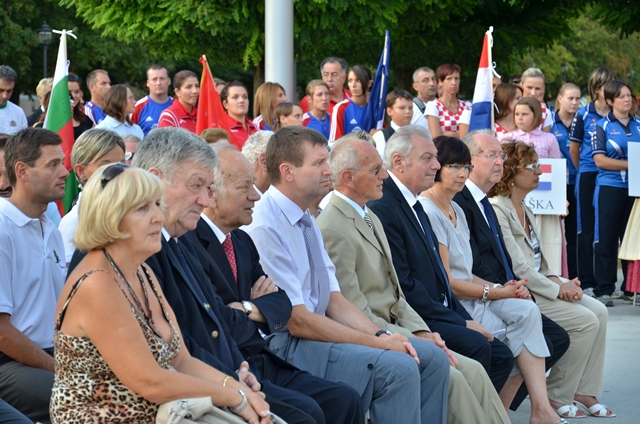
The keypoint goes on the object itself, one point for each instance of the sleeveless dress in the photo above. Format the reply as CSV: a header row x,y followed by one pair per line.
x,y
85,390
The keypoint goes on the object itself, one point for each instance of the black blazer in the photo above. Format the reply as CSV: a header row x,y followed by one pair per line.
x,y
415,263
487,260
275,307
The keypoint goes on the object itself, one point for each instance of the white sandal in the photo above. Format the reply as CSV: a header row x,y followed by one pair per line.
x,y
598,410
571,411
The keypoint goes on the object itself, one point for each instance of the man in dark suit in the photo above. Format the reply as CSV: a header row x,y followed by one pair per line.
x,y
491,261
186,165
245,286
411,159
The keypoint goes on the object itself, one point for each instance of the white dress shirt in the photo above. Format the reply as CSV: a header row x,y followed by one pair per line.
x,y
355,206
217,231
478,195
280,241
32,272
411,198
110,123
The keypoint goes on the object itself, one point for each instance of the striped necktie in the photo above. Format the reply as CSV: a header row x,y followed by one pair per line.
x,y
369,222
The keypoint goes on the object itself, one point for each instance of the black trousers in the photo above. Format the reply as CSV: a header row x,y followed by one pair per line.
x,y
558,342
614,208
495,356
571,232
326,401
585,188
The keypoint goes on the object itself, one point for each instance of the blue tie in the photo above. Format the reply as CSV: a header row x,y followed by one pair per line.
x,y
225,351
426,227
320,283
488,212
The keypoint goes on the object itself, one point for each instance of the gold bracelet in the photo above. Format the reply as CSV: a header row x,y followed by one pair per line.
x,y
224,380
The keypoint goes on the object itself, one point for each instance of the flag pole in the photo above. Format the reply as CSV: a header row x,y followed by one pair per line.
x,y
490,57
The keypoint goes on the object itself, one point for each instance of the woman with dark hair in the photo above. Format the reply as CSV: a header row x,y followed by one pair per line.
x,y
81,122
268,96
611,199
505,310
119,104
582,127
506,97
348,115
577,377
235,100
444,113
182,113
287,115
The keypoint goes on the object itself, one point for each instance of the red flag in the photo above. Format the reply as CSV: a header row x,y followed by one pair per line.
x,y
211,114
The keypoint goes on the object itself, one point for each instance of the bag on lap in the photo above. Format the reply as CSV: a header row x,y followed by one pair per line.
x,y
199,411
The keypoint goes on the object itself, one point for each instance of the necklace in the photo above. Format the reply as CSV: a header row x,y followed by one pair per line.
x,y
148,318
600,111
440,205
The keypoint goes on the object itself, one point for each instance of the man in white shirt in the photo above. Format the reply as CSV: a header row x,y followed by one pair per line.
x,y
327,335
32,270
12,117
425,84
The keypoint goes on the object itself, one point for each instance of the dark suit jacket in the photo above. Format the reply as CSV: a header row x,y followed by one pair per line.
x,y
275,307
487,260
414,261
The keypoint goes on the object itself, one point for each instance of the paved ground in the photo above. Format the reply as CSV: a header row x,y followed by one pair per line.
x,y
621,392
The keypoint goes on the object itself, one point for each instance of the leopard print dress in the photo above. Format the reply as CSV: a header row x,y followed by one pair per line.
x,y
85,389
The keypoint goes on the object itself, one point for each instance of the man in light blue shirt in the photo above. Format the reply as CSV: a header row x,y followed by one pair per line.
x,y
327,335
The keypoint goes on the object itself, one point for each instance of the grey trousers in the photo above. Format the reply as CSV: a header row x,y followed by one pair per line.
x,y
27,389
10,415
392,386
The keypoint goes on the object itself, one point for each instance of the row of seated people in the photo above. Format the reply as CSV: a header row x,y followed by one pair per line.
x,y
172,245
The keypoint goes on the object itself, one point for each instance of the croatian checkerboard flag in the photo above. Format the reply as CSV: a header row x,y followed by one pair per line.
x,y
482,109
374,115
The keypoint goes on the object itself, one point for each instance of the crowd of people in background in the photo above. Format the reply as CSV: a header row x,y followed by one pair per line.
x,y
302,265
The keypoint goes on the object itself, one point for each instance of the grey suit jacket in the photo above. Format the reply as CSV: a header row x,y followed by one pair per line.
x,y
521,250
364,267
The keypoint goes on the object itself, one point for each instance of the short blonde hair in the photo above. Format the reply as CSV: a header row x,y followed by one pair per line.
x,y
101,210
93,144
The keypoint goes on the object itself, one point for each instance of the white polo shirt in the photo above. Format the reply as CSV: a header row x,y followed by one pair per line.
x,y
32,272
12,119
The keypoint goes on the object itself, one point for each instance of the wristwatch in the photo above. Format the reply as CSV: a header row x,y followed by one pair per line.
x,y
381,332
238,409
247,306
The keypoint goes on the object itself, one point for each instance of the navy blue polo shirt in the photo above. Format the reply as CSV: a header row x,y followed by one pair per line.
x,y
611,139
582,130
562,135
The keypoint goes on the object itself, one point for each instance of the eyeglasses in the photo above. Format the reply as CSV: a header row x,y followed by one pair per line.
x,y
333,75
493,156
532,166
456,167
111,172
375,170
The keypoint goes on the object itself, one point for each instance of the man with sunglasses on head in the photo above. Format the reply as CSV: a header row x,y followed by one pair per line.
x,y
32,270
334,73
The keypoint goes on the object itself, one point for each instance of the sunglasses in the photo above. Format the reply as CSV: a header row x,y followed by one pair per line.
x,y
111,172
73,78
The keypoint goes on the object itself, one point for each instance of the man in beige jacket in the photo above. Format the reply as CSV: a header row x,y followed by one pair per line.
x,y
355,241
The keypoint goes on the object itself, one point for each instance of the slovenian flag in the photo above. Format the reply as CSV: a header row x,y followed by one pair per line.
x,y
58,118
211,114
374,115
482,109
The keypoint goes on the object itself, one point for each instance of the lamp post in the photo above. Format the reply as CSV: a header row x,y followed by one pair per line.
x,y
630,75
44,37
564,68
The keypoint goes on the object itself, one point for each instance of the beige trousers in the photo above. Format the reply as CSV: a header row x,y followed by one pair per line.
x,y
580,370
469,381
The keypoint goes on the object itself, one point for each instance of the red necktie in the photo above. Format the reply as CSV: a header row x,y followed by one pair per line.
x,y
227,245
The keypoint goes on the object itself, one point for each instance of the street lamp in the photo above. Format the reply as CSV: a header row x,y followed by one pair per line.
x,y
564,68
630,75
44,37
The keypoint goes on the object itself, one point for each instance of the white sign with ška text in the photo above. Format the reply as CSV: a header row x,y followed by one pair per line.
x,y
550,198
633,153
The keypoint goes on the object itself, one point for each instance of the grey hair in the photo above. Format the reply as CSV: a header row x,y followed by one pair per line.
x,y
256,144
167,149
400,143
532,73
8,74
131,137
470,140
344,156
218,176
421,69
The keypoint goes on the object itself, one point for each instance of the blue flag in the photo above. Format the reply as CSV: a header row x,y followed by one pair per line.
x,y
374,115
